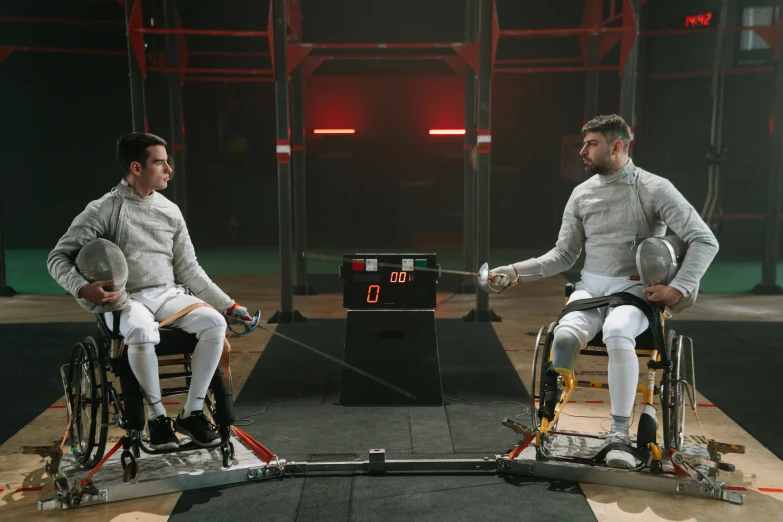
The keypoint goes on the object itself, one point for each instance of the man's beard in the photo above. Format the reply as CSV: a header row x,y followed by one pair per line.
x,y
601,165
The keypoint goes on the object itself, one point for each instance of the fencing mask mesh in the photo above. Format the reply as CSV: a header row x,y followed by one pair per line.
x,y
102,260
659,258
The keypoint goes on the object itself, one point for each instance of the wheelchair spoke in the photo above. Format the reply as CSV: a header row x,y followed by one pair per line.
x,y
89,403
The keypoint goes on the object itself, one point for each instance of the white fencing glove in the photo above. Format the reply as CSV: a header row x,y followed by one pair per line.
x,y
238,315
504,277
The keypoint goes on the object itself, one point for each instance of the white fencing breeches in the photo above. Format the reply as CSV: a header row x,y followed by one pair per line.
x,y
621,325
139,326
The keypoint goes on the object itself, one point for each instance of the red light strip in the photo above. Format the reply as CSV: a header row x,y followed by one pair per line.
x,y
334,131
447,132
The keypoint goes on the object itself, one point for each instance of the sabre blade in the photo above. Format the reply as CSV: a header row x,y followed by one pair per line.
x,y
343,364
324,257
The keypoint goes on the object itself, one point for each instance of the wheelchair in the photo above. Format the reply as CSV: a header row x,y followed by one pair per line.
x,y
666,353
90,394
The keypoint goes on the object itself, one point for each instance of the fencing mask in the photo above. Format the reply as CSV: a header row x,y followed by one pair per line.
x,y
102,260
658,259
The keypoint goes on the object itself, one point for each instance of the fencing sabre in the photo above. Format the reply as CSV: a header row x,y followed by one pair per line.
x,y
483,275
256,324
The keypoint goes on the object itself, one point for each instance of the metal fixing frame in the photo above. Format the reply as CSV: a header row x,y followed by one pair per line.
x,y
159,474
251,468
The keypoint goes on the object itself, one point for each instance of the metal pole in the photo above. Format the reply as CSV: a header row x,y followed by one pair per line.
x,y
137,99
176,114
469,171
591,90
628,86
640,90
769,267
286,313
5,289
484,140
593,60
300,198
714,155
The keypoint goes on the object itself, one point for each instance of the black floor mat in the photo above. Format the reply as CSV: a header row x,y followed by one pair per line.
x,y
481,388
478,380
737,368
30,374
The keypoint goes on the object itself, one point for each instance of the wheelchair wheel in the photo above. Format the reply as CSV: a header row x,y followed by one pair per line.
x,y
102,385
541,364
86,392
673,395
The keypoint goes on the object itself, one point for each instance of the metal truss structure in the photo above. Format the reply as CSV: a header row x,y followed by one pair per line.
x,y
605,25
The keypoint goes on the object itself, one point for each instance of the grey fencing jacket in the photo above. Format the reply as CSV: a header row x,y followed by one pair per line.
x,y
150,231
608,216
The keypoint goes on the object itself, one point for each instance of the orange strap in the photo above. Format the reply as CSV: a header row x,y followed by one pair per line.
x,y
182,312
67,431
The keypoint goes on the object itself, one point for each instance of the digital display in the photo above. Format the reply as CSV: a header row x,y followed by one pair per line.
x,y
389,281
699,20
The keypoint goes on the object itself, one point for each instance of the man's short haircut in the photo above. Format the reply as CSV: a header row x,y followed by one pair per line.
x,y
612,126
133,147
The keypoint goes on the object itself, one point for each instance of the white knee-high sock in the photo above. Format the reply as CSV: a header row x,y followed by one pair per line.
x,y
623,375
144,364
206,357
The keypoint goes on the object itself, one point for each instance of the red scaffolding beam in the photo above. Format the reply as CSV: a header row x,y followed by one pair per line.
x,y
374,58
709,72
59,21
382,45
200,32
574,31
705,30
209,70
508,61
233,79
558,69
62,50
242,54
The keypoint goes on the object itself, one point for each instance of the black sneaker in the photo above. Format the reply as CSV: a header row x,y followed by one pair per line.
x,y
198,428
161,435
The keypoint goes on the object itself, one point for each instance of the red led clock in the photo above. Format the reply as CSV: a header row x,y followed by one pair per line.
x,y
699,20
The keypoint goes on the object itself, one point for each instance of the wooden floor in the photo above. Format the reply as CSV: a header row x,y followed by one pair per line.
x,y
523,310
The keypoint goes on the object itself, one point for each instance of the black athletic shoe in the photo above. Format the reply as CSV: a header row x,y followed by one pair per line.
x,y
197,427
161,435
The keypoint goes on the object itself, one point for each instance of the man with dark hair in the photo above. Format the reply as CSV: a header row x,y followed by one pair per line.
x,y
608,215
162,267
